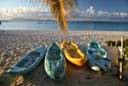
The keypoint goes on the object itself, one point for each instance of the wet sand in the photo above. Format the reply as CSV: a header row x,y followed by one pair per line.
x,y
14,44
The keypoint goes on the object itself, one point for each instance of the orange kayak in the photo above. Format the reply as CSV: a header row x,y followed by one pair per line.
x,y
73,53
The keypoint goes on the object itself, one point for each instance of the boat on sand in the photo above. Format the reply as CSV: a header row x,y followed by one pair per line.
x,y
54,63
28,62
98,57
73,53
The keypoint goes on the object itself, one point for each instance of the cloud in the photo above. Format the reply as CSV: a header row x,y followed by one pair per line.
x,y
116,13
103,13
25,12
123,14
91,10
20,12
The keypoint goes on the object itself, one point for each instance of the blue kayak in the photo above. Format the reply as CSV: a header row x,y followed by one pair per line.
x,y
54,62
97,57
28,62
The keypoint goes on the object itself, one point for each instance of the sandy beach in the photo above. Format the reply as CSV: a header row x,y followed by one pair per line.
x,y
14,44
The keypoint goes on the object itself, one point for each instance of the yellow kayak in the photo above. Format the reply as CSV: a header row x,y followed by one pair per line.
x,y
73,53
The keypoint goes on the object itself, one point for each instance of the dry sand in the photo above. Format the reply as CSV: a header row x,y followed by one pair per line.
x,y
14,44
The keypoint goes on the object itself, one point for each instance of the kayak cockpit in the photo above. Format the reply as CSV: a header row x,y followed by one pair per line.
x,y
30,58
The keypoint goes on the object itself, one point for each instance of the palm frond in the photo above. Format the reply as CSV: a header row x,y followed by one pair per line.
x,y
61,9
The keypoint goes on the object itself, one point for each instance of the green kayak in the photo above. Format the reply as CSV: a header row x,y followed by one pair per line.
x,y
28,62
55,63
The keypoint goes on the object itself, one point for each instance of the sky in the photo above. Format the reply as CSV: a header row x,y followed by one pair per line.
x,y
116,7
9,4
107,5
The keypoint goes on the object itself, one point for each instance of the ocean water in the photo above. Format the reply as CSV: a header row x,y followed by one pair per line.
x,y
73,25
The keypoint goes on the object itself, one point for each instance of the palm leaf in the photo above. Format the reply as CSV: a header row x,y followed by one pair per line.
x,y
61,10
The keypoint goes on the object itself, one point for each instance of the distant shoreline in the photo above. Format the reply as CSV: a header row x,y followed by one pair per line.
x,y
70,20
88,30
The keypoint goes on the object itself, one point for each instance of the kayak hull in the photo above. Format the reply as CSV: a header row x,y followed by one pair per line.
x,y
73,53
97,57
28,62
55,64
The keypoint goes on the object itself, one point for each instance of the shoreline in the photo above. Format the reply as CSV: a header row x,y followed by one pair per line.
x,y
87,30
70,31
105,34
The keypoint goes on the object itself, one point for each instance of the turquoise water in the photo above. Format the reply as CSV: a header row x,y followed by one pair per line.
x,y
74,25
